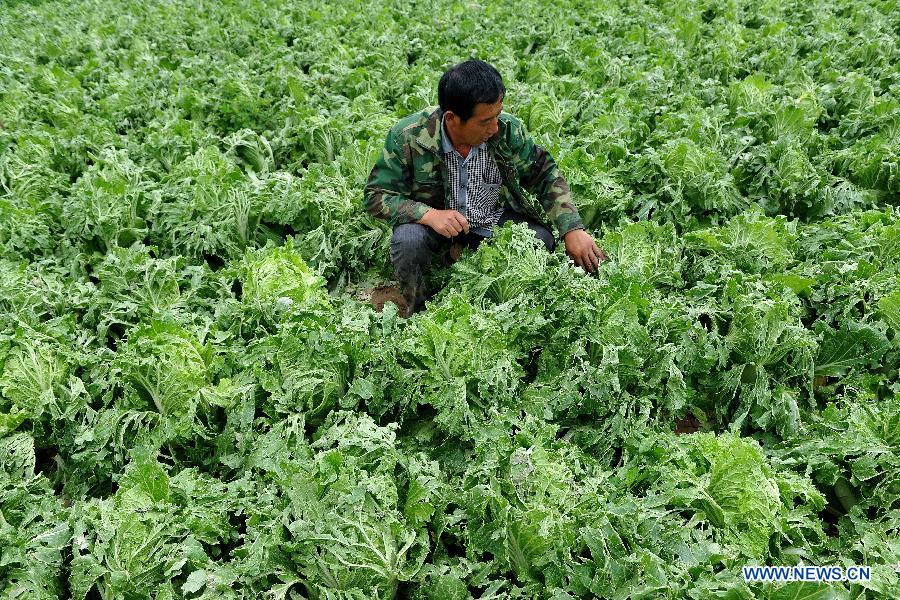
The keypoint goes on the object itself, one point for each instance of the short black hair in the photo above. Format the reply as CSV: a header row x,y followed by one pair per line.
x,y
469,83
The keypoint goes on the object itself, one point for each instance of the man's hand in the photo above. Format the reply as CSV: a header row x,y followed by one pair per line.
x,y
583,250
448,223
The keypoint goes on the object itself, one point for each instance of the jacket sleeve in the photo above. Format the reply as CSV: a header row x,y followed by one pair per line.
x,y
387,193
540,176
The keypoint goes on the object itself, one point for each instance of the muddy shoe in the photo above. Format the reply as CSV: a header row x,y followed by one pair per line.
x,y
450,254
414,297
455,252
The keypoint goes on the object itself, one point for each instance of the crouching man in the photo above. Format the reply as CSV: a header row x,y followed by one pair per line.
x,y
448,176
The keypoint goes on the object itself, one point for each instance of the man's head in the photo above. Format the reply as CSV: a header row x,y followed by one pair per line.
x,y
471,96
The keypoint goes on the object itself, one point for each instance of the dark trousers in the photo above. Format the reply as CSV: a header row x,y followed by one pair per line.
x,y
414,246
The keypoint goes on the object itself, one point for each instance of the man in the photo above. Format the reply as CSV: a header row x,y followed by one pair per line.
x,y
448,176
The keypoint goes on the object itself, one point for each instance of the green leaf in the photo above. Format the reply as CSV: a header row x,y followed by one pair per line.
x,y
297,91
889,310
195,582
799,284
418,509
525,545
854,345
17,459
148,477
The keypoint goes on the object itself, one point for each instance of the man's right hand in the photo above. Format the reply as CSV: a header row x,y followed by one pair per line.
x,y
448,223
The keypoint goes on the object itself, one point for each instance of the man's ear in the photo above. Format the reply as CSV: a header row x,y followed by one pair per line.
x,y
452,117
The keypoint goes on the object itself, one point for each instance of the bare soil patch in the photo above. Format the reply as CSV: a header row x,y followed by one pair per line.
x,y
689,424
381,294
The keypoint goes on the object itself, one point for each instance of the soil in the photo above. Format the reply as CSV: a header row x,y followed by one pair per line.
x,y
689,424
381,294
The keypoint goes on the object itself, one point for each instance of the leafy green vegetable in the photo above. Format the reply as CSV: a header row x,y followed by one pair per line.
x,y
726,481
155,529
194,402
166,365
34,528
280,276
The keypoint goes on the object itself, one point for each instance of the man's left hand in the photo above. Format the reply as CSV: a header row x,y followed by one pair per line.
x,y
583,250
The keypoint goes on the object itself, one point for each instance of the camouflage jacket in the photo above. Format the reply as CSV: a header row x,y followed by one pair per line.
x,y
410,176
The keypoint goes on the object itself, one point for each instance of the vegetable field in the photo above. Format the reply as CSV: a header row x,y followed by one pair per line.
x,y
195,402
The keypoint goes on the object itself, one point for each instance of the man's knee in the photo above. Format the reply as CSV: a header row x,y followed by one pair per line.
x,y
411,248
411,237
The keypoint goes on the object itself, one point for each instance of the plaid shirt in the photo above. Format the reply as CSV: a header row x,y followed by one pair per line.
x,y
474,185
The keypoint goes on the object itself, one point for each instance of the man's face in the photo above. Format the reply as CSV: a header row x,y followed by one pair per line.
x,y
480,126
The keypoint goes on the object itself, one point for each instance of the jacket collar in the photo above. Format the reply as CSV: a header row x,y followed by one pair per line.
x,y
429,137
